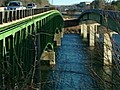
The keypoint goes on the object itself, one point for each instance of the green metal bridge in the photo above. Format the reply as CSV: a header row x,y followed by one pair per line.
x,y
27,36
106,18
104,23
24,36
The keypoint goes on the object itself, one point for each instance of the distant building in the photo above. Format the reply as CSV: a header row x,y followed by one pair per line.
x,y
85,5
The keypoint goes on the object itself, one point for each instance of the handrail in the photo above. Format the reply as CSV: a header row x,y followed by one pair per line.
x,y
11,15
13,28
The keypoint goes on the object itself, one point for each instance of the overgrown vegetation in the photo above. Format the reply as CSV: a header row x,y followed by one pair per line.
x,y
105,4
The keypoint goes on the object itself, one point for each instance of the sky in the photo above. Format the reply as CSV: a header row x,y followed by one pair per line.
x,y
67,2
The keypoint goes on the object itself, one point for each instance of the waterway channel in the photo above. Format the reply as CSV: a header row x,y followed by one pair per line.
x,y
73,67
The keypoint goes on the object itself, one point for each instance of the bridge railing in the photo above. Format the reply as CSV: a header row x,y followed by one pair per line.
x,y
109,13
11,15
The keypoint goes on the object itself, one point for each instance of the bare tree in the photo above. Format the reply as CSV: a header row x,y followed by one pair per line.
x,y
98,4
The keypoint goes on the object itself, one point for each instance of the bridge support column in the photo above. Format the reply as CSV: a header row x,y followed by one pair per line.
x,y
81,31
84,31
107,49
57,38
52,58
97,35
62,32
49,55
92,35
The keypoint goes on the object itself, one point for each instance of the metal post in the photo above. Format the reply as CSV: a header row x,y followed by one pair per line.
x,y
11,15
18,14
14,15
1,17
6,16
21,14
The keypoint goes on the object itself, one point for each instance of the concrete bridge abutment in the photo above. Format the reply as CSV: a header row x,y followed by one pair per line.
x,y
107,45
91,28
107,49
48,55
62,32
57,38
83,31
93,34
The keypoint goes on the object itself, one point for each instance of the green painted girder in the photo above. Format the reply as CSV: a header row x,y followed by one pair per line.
x,y
17,43
47,17
108,19
12,29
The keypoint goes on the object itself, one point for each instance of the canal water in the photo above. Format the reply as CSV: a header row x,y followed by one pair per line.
x,y
75,66
71,69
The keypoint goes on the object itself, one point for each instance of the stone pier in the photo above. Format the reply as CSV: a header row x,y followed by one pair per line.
x,y
107,49
48,55
57,38
84,31
62,32
81,30
93,34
